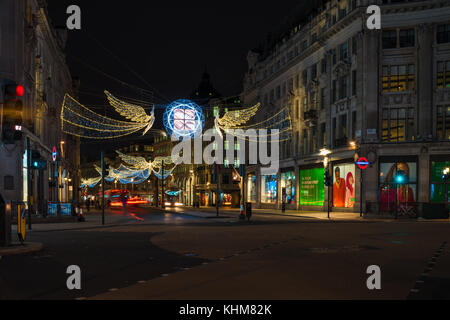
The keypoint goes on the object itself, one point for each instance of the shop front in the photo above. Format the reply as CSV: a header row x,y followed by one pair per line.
x,y
269,191
439,186
312,189
398,191
344,186
288,188
252,191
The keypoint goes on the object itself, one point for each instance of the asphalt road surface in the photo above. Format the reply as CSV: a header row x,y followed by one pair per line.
x,y
152,255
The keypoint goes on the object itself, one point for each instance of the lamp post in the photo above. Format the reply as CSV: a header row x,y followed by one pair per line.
x,y
325,153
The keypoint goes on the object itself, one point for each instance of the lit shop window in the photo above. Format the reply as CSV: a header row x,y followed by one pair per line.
x,y
288,184
269,189
398,185
251,188
399,78
440,189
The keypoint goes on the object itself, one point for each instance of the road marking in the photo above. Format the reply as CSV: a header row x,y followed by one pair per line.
x,y
113,289
164,275
142,282
80,299
414,290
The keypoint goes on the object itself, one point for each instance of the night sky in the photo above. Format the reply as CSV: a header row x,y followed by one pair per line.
x,y
167,44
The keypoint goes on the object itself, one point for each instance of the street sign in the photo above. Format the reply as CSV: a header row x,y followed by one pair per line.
x,y
363,163
54,154
21,223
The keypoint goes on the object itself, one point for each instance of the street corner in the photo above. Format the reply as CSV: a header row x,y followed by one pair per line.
x,y
19,249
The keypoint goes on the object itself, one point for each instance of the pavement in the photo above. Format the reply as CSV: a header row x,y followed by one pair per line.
x,y
17,249
156,255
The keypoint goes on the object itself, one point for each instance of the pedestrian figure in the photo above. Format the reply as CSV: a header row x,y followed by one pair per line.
x,y
79,212
124,205
88,205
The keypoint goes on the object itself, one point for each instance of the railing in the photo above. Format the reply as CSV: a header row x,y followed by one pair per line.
x,y
408,210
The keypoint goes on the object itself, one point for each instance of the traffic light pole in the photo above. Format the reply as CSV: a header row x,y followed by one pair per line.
x,y
103,189
163,205
29,183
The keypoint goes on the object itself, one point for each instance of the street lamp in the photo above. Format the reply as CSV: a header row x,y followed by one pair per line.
x,y
325,154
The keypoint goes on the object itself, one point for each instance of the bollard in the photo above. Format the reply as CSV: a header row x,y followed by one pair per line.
x,y
5,223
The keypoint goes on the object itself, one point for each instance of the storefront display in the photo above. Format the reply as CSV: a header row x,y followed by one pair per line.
x,y
288,184
251,188
312,192
440,189
269,189
398,185
344,186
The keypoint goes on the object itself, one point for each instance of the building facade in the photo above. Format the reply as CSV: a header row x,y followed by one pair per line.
x,y
32,54
383,95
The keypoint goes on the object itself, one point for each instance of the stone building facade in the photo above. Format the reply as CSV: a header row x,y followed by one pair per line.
x,y
32,54
383,95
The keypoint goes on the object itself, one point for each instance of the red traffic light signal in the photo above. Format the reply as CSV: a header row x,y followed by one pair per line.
x,y
15,90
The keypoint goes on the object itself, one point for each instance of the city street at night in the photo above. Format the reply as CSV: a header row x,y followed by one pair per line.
x,y
174,256
224,159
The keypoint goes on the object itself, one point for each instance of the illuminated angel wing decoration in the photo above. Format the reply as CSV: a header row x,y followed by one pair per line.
x,y
132,112
90,183
234,119
77,120
135,162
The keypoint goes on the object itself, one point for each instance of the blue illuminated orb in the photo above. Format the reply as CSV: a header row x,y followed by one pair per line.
x,y
184,119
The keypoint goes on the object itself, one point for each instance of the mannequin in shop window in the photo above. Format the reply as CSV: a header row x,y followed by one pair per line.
x,y
396,192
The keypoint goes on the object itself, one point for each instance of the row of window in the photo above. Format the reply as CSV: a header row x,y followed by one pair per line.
x,y
406,38
312,73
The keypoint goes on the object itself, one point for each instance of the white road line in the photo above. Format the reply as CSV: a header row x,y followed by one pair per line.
x,y
113,289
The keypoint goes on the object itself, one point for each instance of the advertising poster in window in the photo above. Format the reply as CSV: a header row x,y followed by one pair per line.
x,y
251,188
344,186
312,191
440,190
288,184
398,184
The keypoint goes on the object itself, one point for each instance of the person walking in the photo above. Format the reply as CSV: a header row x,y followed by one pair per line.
x,y
124,204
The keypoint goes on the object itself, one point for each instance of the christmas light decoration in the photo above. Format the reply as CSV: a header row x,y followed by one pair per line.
x,y
132,112
80,121
233,119
184,119
90,183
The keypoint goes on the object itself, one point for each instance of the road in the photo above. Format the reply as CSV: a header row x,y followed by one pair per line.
x,y
154,255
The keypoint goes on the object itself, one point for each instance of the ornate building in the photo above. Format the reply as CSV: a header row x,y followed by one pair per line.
x,y
354,92
32,54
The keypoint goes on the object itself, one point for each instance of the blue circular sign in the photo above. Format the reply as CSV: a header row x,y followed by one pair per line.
x,y
184,119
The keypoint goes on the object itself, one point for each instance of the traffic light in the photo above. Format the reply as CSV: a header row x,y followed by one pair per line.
x,y
12,111
446,175
36,162
327,179
401,177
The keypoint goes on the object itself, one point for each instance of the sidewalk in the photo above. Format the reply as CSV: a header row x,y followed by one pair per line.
x,y
93,221
210,213
16,249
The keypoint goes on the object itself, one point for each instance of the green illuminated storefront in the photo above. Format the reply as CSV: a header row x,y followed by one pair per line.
x,y
312,190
